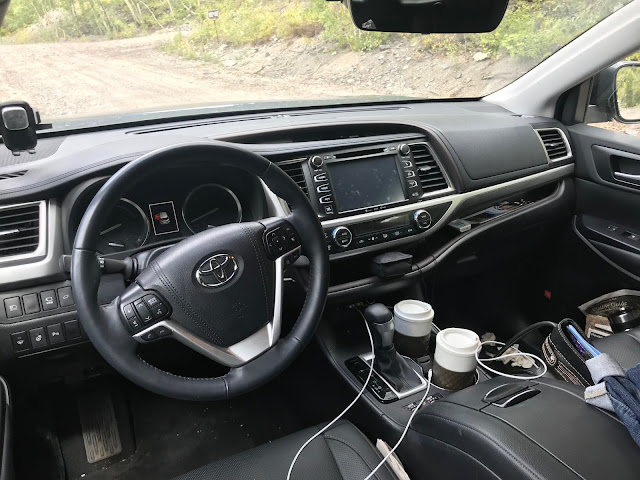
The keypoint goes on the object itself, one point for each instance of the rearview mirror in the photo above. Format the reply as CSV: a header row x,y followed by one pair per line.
x,y
628,93
427,16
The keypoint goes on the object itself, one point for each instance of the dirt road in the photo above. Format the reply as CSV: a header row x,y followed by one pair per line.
x,y
82,78
86,78
71,79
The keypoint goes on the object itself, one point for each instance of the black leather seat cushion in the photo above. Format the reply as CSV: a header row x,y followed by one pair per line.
x,y
624,347
340,453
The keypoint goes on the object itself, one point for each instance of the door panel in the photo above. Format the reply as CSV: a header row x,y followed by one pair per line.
x,y
608,195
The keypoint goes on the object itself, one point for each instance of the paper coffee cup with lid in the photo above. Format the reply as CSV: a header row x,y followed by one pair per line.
x,y
412,320
455,362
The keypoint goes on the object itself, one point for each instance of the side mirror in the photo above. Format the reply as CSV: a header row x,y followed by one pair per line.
x,y
615,94
628,93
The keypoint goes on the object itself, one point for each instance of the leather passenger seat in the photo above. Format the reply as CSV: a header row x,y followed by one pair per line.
x,y
624,347
340,453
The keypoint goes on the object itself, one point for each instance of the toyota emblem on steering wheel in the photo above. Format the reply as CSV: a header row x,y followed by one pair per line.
x,y
217,270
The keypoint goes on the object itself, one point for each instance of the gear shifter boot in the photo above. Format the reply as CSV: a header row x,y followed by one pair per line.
x,y
388,363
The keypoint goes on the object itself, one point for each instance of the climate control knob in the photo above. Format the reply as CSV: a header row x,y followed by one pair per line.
x,y
342,236
316,162
422,219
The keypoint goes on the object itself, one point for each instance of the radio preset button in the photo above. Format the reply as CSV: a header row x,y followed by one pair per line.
x,y
407,163
320,177
342,236
422,218
323,188
328,209
326,199
412,184
409,173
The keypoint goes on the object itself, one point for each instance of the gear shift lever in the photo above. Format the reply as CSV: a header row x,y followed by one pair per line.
x,y
388,363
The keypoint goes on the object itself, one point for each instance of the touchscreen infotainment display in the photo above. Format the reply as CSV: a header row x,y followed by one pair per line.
x,y
365,182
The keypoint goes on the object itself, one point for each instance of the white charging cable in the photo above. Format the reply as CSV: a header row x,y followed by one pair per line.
x,y
360,393
364,387
406,429
481,361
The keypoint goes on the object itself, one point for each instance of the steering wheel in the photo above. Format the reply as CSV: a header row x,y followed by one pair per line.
x,y
218,292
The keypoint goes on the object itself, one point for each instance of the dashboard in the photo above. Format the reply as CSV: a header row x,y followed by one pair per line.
x,y
389,178
166,206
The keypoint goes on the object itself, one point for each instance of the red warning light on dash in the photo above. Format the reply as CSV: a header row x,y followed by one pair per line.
x,y
163,217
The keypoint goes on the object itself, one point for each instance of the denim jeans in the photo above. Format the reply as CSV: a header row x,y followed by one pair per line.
x,y
616,390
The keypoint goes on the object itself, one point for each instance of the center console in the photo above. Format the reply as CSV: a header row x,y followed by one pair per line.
x,y
352,189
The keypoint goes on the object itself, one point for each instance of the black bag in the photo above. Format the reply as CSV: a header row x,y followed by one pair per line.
x,y
564,358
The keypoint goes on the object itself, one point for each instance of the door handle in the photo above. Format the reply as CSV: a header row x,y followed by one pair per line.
x,y
626,177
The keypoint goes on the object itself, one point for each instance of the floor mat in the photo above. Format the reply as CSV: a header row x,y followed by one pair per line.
x,y
173,437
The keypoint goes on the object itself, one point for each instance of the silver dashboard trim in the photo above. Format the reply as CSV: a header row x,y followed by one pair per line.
x,y
457,200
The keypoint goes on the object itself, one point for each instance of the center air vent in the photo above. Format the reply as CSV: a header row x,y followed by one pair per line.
x,y
431,176
555,143
294,170
20,229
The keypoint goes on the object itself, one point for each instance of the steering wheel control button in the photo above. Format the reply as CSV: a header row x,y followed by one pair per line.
x,y
20,342
422,219
149,336
129,311
135,323
162,331
280,240
157,308
38,338
143,311
31,303
291,258
55,333
65,296
49,300
12,307
342,236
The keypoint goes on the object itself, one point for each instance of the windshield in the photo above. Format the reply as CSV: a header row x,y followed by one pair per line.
x,y
71,58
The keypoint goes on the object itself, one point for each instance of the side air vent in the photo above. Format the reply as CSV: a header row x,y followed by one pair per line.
x,y
555,143
294,170
431,175
20,229
5,176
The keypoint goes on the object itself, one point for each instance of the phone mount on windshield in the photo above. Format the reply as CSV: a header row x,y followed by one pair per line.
x,y
18,125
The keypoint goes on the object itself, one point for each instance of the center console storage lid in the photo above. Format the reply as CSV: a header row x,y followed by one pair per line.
x,y
553,434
